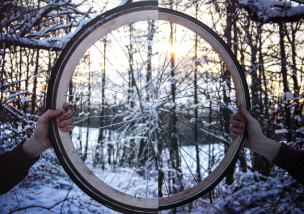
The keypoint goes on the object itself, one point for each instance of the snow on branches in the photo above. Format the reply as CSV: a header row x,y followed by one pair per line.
x,y
44,24
273,11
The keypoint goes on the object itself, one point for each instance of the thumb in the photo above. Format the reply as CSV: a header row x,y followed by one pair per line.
x,y
48,115
245,113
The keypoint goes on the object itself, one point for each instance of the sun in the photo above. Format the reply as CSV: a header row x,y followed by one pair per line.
x,y
178,49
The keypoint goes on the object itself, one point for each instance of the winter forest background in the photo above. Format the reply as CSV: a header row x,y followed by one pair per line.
x,y
267,39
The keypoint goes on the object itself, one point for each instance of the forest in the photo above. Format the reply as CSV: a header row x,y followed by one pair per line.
x,y
152,102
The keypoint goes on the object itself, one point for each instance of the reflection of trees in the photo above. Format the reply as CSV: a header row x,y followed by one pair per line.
x,y
116,142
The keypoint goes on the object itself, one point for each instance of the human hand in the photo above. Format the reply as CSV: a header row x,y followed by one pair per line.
x,y
40,141
255,134
256,140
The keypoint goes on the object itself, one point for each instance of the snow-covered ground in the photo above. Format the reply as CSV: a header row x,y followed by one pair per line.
x,y
48,189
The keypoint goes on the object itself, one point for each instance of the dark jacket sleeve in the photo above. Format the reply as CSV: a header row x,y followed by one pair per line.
x,y
292,161
14,166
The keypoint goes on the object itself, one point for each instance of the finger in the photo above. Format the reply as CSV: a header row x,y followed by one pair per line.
x,y
237,116
238,124
233,135
66,115
67,128
48,115
66,106
63,123
235,130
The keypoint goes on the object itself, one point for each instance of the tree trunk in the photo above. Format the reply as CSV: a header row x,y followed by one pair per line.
x,y
282,32
198,169
34,96
226,78
102,120
173,120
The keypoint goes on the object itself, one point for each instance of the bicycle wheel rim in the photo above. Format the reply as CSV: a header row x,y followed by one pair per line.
x,y
147,206
238,77
75,167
